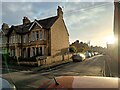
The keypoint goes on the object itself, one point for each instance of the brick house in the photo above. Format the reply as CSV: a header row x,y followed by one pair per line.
x,y
80,46
44,38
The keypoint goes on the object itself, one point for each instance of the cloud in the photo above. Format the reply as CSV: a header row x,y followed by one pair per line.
x,y
13,12
90,21
57,1
84,20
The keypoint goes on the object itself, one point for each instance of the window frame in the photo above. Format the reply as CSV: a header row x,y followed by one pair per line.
x,y
41,35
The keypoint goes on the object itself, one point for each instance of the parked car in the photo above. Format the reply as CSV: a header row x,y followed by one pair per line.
x,y
96,53
92,54
87,54
78,57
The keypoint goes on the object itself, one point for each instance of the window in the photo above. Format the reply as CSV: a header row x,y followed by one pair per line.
x,y
10,39
37,35
37,51
13,38
24,38
29,38
12,52
45,35
40,35
33,36
16,39
33,51
40,51
20,39
24,52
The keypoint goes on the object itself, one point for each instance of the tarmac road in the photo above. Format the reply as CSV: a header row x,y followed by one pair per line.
x,y
90,67
93,66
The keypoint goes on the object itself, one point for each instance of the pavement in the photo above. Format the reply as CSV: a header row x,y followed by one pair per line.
x,y
16,68
112,66
49,66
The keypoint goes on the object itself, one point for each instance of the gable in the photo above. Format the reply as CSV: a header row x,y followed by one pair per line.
x,y
35,24
60,24
65,27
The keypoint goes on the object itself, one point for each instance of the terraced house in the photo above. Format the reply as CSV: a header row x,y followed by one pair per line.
x,y
44,38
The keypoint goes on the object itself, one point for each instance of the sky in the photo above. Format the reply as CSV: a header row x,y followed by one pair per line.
x,y
86,21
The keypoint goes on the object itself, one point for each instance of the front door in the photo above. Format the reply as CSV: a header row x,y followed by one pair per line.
x,y
28,52
40,51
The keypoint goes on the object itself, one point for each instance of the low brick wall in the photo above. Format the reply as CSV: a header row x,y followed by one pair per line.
x,y
54,59
48,60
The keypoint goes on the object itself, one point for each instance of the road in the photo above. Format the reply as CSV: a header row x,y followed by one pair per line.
x,y
93,66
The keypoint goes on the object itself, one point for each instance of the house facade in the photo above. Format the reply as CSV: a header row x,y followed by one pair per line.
x,y
44,38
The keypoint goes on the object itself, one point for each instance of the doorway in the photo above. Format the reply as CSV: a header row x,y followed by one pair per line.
x,y
28,52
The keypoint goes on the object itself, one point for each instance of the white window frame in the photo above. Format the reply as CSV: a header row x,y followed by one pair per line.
x,y
24,39
41,35
37,33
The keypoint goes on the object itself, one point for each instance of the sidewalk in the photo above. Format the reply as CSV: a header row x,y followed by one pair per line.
x,y
112,66
34,68
45,67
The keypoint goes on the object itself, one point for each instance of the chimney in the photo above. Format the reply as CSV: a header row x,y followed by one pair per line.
x,y
77,41
5,26
59,12
25,20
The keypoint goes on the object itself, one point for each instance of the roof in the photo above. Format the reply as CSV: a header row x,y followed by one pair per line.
x,y
47,23
23,29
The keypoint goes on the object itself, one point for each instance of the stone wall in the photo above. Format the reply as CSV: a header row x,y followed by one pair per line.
x,y
59,39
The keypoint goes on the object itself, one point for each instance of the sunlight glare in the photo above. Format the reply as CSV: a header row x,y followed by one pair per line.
x,y
110,39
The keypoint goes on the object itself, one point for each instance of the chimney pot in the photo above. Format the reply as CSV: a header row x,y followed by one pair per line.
x,y
59,12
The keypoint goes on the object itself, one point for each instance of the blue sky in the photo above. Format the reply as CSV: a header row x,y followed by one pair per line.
x,y
85,21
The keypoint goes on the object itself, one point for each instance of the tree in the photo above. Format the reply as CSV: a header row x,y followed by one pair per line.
x,y
72,49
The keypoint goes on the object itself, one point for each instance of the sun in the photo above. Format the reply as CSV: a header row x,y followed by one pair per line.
x,y
110,39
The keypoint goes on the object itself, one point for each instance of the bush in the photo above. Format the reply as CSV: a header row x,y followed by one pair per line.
x,y
72,49
13,59
29,59
5,58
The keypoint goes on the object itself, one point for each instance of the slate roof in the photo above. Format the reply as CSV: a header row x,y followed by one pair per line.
x,y
23,29
47,23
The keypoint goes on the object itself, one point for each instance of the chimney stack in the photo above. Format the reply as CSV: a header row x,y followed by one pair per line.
x,y
25,20
59,12
5,26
